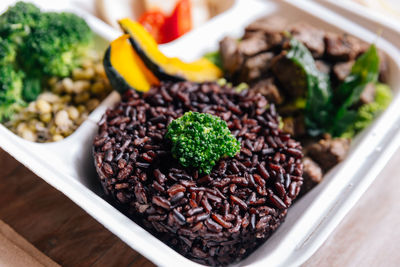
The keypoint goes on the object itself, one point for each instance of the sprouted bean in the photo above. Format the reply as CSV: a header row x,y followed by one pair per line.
x,y
64,104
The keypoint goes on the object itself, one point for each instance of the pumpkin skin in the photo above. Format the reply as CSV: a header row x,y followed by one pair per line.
x,y
163,67
124,68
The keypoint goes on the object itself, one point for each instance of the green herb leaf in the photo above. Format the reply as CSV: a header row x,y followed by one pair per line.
x,y
365,70
368,112
319,93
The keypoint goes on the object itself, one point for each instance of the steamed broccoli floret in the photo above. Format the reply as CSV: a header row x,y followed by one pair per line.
x,y
10,91
200,140
383,95
56,45
368,112
18,21
31,89
7,52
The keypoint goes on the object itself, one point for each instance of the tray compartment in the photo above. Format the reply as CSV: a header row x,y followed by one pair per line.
x,y
67,165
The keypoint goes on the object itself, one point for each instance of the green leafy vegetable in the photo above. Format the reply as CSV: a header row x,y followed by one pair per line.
x,y
319,93
7,52
17,22
365,70
200,140
337,114
10,91
32,89
57,45
214,57
368,112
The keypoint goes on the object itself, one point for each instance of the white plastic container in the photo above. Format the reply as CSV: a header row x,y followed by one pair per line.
x,y
68,165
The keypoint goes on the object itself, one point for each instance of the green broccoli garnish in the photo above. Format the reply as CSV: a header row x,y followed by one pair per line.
x,y
10,91
7,52
57,45
200,140
368,112
18,20
32,88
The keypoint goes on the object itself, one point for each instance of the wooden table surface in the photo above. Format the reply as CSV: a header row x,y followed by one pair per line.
x,y
368,236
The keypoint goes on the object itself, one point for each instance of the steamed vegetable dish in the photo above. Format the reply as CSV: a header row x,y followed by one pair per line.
x,y
48,69
327,86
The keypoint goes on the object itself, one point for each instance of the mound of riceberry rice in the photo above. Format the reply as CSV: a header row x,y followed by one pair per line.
x,y
214,219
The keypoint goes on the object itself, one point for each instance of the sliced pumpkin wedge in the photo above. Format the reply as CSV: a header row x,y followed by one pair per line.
x,y
166,68
125,69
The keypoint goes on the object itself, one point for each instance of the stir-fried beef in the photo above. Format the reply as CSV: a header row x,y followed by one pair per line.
x,y
329,151
311,37
268,89
342,70
312,174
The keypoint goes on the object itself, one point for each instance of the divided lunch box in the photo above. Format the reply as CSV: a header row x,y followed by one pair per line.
x,y
68,165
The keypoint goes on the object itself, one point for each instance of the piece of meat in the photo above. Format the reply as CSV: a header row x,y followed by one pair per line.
x,y
270,28
291,76
267,88
329,151
342,47
342,70
231,58
299,126
273,41
267,25
323,66
312,174
294,126
253,45
311,37
255,67
288,125
368,94
289,110
251,34
276,41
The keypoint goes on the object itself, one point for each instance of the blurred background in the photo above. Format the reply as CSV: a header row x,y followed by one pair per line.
x,y
156,15
166,20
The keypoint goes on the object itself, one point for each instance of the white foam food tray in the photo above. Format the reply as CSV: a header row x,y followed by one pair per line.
x,y
68,165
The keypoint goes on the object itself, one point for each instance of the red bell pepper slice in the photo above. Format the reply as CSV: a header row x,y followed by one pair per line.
x,y
164,28
180,21
153,21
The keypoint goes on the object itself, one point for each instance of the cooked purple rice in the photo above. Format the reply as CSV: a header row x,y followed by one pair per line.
x,y
213,219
